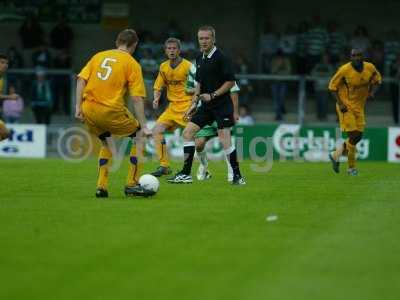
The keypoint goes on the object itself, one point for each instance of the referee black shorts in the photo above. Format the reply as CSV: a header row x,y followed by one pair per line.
x,y
221,113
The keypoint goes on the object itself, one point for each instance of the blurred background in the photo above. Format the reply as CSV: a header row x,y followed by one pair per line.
x,y
283,52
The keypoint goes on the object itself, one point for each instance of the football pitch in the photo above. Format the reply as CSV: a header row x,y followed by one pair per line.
x,y
297,232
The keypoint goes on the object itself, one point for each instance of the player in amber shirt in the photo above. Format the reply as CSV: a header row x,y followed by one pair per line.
x,y
352,85
101,87
172,76
4,132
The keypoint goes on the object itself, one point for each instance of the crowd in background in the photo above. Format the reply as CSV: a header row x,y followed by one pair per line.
x,y
318,48
312,47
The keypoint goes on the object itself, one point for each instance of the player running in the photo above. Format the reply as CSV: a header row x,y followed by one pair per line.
x,y
4,132
352,85
100,91
210,131
172,76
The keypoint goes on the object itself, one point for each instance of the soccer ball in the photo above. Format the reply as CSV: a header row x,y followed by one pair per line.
x,y
149,182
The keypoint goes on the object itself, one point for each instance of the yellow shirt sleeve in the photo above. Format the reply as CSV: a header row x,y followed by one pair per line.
x,y
336,80
160,82
376,77
135,81
85,72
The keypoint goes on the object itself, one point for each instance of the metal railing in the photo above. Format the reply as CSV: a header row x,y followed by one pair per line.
x,y
302,92
301,95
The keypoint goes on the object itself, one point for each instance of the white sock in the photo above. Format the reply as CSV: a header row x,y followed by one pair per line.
x,y
203,158
228,164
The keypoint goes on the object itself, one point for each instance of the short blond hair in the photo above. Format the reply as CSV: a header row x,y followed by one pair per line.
x,y
208,28
173,40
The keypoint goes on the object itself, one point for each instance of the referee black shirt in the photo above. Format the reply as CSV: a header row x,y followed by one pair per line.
x,y
212,71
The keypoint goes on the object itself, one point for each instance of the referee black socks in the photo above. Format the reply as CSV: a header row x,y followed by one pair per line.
x,y
232,158
188,152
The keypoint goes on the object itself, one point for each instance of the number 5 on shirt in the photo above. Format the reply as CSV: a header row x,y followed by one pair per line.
x,y
106,68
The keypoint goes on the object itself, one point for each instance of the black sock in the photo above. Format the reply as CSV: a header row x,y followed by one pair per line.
x,y
188,152
232,157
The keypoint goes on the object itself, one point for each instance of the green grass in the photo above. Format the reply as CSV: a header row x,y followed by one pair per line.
x,y
336,237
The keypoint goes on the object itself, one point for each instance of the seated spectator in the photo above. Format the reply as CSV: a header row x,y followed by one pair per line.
x,y
360,40
42,98
280,65
245,117
42,57
12,109
323,71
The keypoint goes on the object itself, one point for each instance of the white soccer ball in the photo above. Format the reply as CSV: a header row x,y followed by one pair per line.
x,y
149,182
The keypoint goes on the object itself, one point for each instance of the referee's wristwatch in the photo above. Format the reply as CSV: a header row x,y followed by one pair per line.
x,y
213,95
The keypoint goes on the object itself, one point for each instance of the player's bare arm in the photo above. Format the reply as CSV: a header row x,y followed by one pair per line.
x,y
80,86
372,91
138,105
342,106
156,100
195,100
235,103
225,87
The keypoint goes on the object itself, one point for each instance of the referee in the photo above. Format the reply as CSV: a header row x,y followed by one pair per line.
x,y
215,78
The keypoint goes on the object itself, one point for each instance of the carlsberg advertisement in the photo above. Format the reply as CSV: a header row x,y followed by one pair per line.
x,y
292,142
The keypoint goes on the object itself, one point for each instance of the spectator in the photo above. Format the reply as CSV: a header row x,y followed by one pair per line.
x,y
12,109
31,33
323,71
392,49
61,35
15,59
280,65
360,40
269,44
149,64
62,83
42,98
241,67
337,42
288,41
377,55
317,42
245,117
41,57
394,88
302,33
